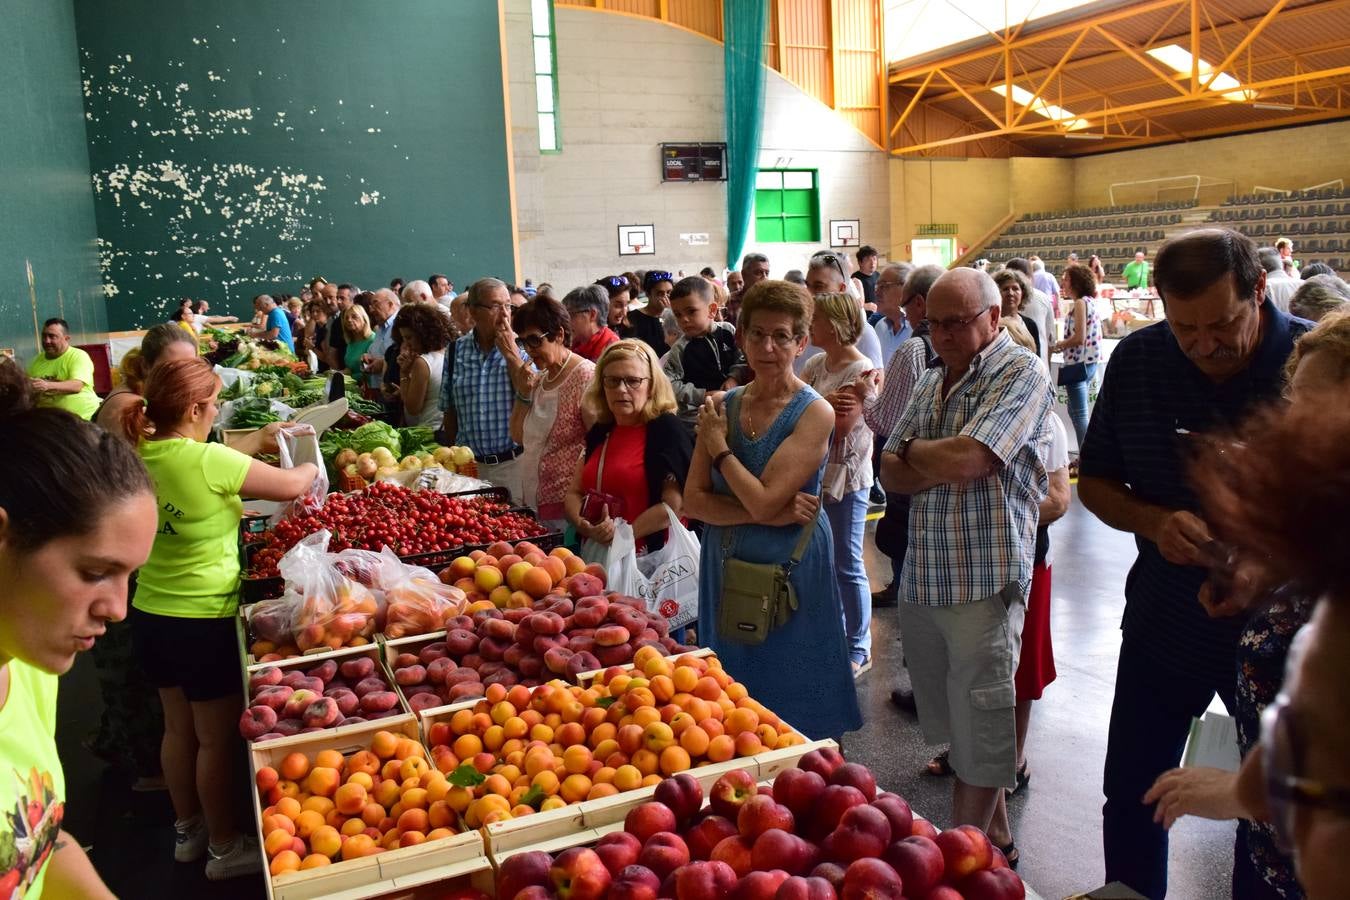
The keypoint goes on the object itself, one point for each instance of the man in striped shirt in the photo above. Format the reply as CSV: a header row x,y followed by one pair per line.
x,y
1220,354
968,449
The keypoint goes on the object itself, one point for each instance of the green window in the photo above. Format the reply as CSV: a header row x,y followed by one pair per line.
x,y
787,206
546,75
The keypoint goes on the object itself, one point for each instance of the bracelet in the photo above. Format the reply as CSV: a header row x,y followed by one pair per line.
x,y
521,398
719,459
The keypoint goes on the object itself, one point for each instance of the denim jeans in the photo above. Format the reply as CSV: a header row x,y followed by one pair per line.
x,y
848,521
1078,403
1150,719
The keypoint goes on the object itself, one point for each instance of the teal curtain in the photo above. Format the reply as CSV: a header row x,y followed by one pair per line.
x,y
743,30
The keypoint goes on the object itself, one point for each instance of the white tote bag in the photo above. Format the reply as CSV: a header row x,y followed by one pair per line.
x,y
666,579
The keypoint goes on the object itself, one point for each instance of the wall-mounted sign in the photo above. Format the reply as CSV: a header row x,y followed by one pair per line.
x,y
845,232
693,162
637,240
935,228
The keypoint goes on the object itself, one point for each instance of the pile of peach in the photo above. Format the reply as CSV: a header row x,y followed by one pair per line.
x,y
540,749
328,807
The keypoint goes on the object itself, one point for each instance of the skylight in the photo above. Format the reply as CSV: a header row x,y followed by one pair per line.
x,y
917,27
1060,116
1178,59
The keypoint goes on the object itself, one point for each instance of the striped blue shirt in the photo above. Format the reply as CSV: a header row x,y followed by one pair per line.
x,y
478,388
1153,407
969,541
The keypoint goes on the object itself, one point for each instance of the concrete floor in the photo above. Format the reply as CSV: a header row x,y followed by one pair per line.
x,y
1057,820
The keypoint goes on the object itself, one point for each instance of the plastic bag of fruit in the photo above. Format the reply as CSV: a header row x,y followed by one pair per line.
x,y
296,445
331,610
416,600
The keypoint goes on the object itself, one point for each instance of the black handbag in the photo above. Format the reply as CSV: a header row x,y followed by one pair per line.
x,y
1073,373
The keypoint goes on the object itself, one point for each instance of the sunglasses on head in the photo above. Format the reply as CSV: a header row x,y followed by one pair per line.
x,y
833,260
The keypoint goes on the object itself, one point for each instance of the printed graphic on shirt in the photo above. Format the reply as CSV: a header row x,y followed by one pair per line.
x,y
30,832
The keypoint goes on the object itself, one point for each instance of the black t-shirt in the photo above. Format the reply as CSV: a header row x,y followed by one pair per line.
x,y
647,329
869,283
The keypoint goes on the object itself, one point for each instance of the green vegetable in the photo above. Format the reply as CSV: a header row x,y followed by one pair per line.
x,y
358,404
376,434
253,413
418,439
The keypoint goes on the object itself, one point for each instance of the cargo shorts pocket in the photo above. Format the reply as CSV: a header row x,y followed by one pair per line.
x,y
993,725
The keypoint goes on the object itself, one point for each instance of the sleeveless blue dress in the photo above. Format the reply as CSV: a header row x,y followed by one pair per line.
x,y
801,671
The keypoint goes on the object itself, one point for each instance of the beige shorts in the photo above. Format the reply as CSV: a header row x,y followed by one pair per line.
x,y
961,662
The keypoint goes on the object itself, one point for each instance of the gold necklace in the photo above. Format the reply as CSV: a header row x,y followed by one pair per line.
x,y
750,414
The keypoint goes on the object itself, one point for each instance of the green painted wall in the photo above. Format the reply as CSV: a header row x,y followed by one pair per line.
x,y
246,146
46,207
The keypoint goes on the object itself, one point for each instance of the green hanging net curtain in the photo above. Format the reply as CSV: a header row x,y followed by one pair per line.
x,y
743,34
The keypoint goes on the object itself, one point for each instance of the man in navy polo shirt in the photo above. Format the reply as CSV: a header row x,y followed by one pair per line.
x,y
1219,355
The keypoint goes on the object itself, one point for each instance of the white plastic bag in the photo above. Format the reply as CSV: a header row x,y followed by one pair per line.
x,y
297,445
666,579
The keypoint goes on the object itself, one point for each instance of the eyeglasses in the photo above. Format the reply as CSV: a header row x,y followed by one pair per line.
x,y
494,307
781,339
1286,790
534,341
887,285
951,325
632,382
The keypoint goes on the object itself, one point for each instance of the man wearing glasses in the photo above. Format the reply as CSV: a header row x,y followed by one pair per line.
x,y
968,451
484,372
893,328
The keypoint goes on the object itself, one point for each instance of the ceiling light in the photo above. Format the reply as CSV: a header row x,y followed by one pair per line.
x,y
1179,59
1058,115
1085,137
1281,107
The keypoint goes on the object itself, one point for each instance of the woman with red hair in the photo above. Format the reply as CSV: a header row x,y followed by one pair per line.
x,y
187,595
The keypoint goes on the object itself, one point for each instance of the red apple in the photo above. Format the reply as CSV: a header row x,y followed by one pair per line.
x,y
834,802
710,880
579,874
730,792
823,762
523,870
862,831
898,813
965,849
647,819
871,879
919,863
663,853
760,814
619,850
992,884
759,885
257,721
778,849
707,834
635,883
798,790
735,852
856,775
683,794
799,888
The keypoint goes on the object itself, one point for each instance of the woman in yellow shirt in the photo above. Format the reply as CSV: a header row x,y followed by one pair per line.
x,y
187,595
68,545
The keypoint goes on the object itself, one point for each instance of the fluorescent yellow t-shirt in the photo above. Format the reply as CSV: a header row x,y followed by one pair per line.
x,y
193,569
32,786
72,365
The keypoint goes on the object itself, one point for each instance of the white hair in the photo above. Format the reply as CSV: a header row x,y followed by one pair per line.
x,y
417,291
1037,265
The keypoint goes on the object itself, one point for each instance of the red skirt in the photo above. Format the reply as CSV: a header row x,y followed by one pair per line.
x,y
1036,668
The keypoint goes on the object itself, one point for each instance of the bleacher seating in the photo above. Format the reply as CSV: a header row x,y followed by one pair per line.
x,y
1318,222
1112,233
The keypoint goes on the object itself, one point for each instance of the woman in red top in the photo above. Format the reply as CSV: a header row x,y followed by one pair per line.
x,y
637,454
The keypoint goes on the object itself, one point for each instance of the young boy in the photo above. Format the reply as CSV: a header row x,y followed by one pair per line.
x,y
705,361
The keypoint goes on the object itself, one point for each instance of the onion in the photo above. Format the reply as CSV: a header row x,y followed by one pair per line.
x,y
366,467
344,458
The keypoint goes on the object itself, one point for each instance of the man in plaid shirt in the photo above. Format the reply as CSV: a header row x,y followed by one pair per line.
x,y
968,449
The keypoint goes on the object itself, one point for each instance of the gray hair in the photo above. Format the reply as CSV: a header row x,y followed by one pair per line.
x,y
795,276
920,281
417,291
389,295
902,269
478,288
1037,265
1270,259
669,324
591,298
828,259
1319,295
754,258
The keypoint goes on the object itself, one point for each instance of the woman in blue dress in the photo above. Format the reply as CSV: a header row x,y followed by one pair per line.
x,y
755,482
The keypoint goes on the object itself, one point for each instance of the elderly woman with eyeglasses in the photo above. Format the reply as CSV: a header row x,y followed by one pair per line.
x,y
550,421
1272,539
637,453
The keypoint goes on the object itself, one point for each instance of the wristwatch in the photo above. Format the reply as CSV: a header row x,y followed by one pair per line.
x,y
903,450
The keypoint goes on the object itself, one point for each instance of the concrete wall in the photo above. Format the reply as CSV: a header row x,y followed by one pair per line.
x,y
1290,158
971,193
625,86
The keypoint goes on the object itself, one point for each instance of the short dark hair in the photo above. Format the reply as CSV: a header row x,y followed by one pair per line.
x,y
1018,264
1081,280
546,314
426,321
363,299
396,284
1316,268
693,286
349,288
45,490
57,320
707,272
865,251
1187,265
431,279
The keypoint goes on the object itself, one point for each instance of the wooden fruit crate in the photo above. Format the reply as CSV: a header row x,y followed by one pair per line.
x,y
393,872
316,659
320,653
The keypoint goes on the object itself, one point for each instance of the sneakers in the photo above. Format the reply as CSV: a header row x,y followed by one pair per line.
x,y
243,858
189,840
